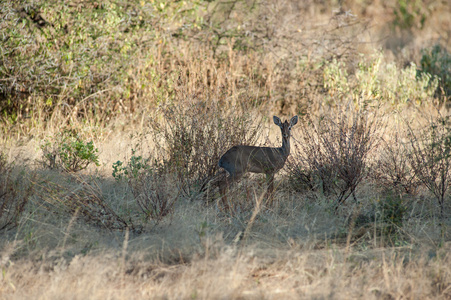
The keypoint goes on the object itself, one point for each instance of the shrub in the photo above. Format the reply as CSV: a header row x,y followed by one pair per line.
x,y
437,62
409,14
47,72
86,200
377,82
430,157
336,150
136,166
301,178
148,181
392,168
154,194
196,136
69,152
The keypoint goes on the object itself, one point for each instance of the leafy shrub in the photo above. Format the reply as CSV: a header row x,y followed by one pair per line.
x,y
437,62
409,14
335,78
377,82
148,181
50,78
44,53
136,166
69,152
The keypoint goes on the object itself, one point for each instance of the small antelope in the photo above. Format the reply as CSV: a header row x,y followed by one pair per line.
x,y
241,159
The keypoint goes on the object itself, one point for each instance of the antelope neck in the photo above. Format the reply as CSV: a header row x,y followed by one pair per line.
x,y
285,145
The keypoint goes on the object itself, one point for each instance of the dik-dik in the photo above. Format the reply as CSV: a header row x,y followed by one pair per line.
x,y
268,160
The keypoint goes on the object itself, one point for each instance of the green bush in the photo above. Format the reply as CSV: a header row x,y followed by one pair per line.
x,y
149,182
69,152
437,62
376,81
133,168
59,57
409,14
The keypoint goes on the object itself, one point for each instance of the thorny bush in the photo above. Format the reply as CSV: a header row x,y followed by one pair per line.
x,y
154,194
87,201
195,137
334,152
430,157
393,170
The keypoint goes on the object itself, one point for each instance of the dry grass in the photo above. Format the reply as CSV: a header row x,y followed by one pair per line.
x,y
233,272
162,89
295,249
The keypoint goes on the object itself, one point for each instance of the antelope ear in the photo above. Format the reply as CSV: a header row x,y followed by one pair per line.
x,y
277,121
293,121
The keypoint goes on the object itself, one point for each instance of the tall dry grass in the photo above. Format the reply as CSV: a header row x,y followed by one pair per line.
x,y
236,273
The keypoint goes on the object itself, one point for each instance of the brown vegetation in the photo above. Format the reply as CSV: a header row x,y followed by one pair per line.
x,y
114,116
